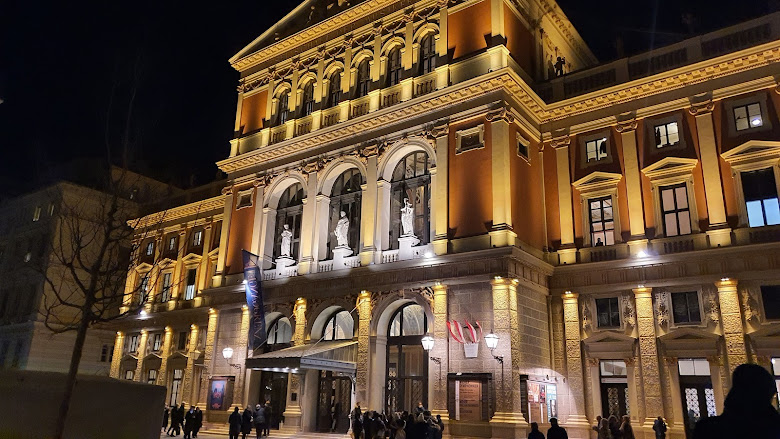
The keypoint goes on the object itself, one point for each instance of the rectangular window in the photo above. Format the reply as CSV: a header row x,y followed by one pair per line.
x,y
244,200
51,209
675,210
596,150
748,116
760,190
197,238
612,368
776,371
129,375
608,312
693,367
685,307
770,295
157,343
37,214
172,244
165,291
522,146
666,135
104,353
189,291
151,377
178,374
602,222
133,345
184,340
150,249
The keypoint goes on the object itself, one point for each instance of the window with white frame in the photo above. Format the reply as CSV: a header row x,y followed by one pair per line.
x,y
596,150
770,296
761,201
340,326
197,238
602,221
176,386
693,367
748,116
666,134
675,210
132,345
685,307
172,243
165,290
608,312
189,289
151,376
37,213
157,342
143,288
129,374
470,139
150,248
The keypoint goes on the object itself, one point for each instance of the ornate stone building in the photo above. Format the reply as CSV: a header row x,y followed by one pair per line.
x,y
402,164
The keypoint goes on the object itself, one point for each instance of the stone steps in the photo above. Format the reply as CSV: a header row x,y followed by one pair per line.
x,y
223,430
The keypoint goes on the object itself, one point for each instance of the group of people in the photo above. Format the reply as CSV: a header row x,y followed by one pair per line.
x,y
419,424
242,423
612,428
554,432
190,421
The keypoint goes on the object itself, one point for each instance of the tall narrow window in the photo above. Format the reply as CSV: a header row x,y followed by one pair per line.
x,y
165,291
334,89
394,67
143,288
340,326
761,201
602,222
407,362
289,213
666,135
132,345
675,210
172,244
178,375
363,80
411,183
345,197
157,342
189,291
685,307
748,116
596,150
37,214
184,341
770,296
150,248
608,312
151,376
308,98
129,374
283,108
104,353
197,238
427,54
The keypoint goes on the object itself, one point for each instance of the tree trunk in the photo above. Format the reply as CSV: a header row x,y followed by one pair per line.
x,y
70,382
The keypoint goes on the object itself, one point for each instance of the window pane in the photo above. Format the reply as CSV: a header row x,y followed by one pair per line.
x,y
701,367
754,114
685,222
670,224
772,211
609,237
740,118
755,214
770,295
607,210
667,200
681,194
776,366
414,320
685,367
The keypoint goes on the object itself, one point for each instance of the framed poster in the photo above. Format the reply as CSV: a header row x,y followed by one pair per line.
x,y
468,400
217,391
470,396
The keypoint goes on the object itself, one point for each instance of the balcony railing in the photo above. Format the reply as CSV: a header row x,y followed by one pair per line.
x,y
303,126
278,134
331,116
679,244
757,235
360,107
391,96
425,84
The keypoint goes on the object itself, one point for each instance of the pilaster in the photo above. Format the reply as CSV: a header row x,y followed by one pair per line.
x,y
139,365
189,372
571,322
162,374
223,241
568,253
240,358
208,356
178,269
307,225
116,360
648,355
501,234
203,270
731,322
292,413
368,212
636,216
440,188
440,350
362,388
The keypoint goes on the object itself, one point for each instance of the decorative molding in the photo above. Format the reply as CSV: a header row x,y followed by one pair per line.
x,y
750,312
701,106
626,125
629,314
711,306
560,142
662,312
587,316
179,212
502,114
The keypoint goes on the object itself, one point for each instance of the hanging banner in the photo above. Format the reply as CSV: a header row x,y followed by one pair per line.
x,y
254,300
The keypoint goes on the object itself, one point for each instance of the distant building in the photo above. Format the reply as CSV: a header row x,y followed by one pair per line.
x,y
616,227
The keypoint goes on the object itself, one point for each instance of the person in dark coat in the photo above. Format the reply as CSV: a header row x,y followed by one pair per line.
x,y
198,421
246,422
357,424
659,426
747,411
268,412
556,431
235,424
259,420
166,413
535,433
189,423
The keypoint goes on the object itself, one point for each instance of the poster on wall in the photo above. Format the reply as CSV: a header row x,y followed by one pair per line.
x,y
542,402
217,394
468,400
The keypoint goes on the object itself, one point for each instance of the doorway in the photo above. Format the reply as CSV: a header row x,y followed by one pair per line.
x,y
274,389
698,397
614,388
333,403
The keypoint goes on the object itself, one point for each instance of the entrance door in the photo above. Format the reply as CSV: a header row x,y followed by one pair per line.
x,y
698,398
274,389
333,403
614,388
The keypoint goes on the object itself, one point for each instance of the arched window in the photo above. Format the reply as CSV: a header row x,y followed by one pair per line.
x,y
280,331
394,67
427,54
412,181
334,89
345,197
308,99
407,361
289,212
340,326
283,109
363,80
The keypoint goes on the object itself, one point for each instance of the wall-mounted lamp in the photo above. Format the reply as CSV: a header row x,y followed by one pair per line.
x,y
227,354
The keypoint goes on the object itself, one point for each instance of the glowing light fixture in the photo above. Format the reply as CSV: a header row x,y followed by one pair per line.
x,y
428,342
227,353
641,254
491,340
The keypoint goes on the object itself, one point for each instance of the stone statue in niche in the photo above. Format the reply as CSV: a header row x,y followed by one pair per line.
x,y
407,218
342,231
286,242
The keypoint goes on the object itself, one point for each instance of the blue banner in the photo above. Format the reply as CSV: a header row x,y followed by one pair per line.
x,y
254,300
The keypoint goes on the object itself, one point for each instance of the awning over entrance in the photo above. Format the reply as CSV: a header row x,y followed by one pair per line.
x,y
335,356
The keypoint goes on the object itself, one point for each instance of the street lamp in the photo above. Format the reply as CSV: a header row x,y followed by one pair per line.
x,y
428,342
227,354
491,340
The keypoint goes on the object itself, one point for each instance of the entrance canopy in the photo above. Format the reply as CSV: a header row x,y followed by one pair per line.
x,y
335,356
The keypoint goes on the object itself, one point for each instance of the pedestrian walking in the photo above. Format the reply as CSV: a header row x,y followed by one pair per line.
x,y
556,431
268,418
246,422
357,424
603,429
535,433
659,426
614,427
626,431
235,424
198,421
166,414
259,420
189,423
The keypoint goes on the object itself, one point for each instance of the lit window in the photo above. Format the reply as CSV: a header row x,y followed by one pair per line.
x,y
157,342
761,201
666,135
675,210
172,243
150,249
280,332
152,376
613,368
165,292
129,374
197,238
748,116
602,223
340,326
189,292
596,149
685,307
133,344
770,295
776,371
608,312
693,367
37,214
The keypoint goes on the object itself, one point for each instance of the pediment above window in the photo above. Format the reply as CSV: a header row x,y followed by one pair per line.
x,y
690,342
670,167
609,344
753,154
597,181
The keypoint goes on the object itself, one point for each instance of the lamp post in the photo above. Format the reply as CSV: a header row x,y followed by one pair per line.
x,y
227,354
428,342
491,340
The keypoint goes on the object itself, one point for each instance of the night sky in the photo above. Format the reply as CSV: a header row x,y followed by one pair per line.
x,y
68,71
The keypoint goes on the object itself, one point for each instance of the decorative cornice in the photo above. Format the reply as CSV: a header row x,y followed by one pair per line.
x,y
158,218
500,114
560,142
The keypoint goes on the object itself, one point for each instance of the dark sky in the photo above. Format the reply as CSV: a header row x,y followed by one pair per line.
x,y
69,69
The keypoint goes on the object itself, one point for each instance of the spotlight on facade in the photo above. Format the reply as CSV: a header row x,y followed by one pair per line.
x,y
143,313
641,254
428,254
227,353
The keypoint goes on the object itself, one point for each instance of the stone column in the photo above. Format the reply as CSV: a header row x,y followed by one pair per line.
x,y
593,380
440,350
237,125
139,365
203,279
636,215
633,376
240,359
440,208
719,232
731,322
208,357
568,252
382,218
501,234
116,359
178,269
257,223
508,421
162,378
716,364
648,355
362,389
571,322
223,241
677,426
308,231
368,210
189,372
292,413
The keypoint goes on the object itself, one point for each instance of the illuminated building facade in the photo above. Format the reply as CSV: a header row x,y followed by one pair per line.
x,y
398,164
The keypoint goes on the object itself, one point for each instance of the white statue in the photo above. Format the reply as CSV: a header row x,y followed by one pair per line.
x,y
407,218
286,241
342,230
